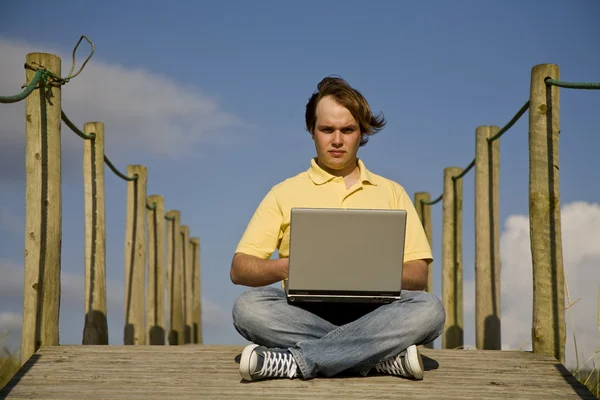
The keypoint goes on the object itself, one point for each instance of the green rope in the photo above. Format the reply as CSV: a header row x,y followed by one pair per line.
x,y
573,85
510,123
71,125
40,75
455,178
466,171
44,75
151,207
430,203
169,218
116,171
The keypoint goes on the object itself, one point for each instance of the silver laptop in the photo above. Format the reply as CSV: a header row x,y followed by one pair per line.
x,y
345,255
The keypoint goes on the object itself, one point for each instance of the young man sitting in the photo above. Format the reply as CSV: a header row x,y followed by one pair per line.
x,y
328,339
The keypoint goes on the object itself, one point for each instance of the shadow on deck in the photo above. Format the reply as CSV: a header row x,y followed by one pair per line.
x,y
211,372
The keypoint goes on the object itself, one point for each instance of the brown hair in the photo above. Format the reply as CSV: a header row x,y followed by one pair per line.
x,y
352,99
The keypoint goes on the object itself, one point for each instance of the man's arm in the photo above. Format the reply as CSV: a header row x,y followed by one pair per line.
x,y
253,271
414,275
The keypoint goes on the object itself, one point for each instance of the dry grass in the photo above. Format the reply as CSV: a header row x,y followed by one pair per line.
x,y
9,364
587,372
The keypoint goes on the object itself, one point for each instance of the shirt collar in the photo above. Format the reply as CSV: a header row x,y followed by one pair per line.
x,y
319,176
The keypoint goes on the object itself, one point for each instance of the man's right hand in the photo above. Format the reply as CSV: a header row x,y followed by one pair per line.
x,y
253,271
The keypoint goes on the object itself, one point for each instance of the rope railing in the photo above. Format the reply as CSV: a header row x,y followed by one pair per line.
x,y
490,140
573,85
117,172
145,229
548,317
510,123
76,130
465,171
40,76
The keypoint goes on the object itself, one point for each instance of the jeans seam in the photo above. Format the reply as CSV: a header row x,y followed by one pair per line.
x,y
299,358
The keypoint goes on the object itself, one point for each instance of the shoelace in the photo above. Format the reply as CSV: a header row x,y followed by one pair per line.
x,y
392,366
278,364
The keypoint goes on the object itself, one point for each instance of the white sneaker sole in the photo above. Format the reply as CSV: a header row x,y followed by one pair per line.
x,y
414,362
245,361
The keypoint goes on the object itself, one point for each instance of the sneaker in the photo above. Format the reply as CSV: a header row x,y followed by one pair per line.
x,y
408,365
258,362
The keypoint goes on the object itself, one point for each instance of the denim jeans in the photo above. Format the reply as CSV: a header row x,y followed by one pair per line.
x,y
322,345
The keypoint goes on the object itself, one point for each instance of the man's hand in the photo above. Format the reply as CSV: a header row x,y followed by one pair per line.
x,y
414,275
252,271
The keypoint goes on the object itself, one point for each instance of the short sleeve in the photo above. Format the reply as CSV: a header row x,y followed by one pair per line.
x,y
416,245
263,233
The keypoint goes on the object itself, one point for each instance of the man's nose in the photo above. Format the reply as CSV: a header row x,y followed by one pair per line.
x,y
337,139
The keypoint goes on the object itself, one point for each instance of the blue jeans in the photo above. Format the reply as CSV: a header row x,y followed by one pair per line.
x,y
263,316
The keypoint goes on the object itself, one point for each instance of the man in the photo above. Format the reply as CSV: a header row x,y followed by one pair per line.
x,y
329,339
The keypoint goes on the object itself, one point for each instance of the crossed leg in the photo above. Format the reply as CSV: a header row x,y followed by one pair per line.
x,y
263,316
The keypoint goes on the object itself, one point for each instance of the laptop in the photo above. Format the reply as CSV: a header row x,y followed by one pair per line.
x,y
345,255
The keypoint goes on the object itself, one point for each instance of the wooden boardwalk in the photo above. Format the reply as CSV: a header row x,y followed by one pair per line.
x,y
211,372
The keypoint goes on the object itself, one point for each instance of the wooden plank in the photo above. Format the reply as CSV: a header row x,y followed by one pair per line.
x,y
208,371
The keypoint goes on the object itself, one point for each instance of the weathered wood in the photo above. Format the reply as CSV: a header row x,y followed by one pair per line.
x,y
135,257
452,269
155,323
174,278
197,293
43,216
95,330
548,328
187,283
211,372
424,212
487,239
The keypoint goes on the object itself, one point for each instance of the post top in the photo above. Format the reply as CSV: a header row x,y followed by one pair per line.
x,y
41,54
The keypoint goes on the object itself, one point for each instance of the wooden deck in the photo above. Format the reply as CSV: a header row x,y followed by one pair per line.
x,y
211,372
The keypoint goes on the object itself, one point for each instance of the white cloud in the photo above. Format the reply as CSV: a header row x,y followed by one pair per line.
x,y
143,112
581,258
10,321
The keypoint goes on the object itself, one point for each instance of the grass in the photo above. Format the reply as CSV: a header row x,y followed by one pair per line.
x,y
9,364
589,376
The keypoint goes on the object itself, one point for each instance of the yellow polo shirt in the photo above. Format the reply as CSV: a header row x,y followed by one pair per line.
x,y
269,227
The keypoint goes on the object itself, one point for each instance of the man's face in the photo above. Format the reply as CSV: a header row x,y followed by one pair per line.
x,y
337,137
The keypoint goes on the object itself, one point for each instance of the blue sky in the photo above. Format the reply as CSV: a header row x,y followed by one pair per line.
x,y
435,69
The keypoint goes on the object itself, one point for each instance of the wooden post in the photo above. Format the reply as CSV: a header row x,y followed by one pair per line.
x,y
196,289
187,283
424,212
452,271
43,204
548,327
135,257
487,239
174,277
156,271
95,329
